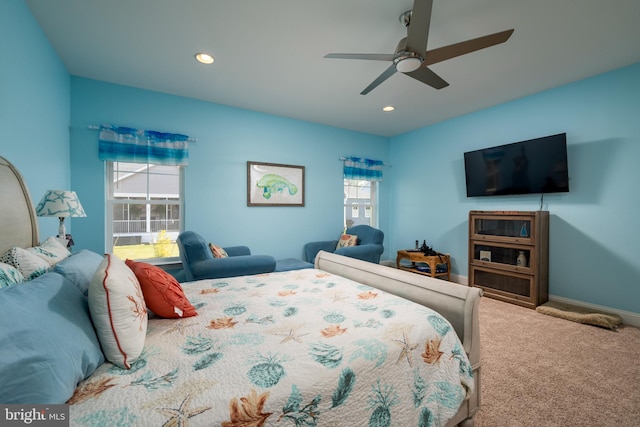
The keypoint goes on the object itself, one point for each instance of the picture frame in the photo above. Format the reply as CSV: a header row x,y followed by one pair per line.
x,y
274,184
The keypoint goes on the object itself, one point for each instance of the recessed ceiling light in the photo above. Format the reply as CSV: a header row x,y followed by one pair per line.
x,y
388,108
205,58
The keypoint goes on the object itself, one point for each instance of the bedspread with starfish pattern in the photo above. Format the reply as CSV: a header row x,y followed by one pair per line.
x,y
296,348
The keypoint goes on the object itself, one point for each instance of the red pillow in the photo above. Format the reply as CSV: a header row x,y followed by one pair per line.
x,y
162,292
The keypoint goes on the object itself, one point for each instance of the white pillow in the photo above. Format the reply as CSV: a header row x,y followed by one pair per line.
x,y
26,262
118,311
9,275
51,250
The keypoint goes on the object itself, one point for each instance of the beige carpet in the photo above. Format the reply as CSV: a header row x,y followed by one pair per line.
x,y
579,314
545,371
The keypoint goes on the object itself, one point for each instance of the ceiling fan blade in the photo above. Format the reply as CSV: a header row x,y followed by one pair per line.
x,y
369,56
418,30
462,48
425,75
382,77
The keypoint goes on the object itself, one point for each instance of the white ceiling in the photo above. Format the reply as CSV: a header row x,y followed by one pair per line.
x,y
269,53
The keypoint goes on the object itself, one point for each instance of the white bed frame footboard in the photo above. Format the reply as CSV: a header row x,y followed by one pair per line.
x,y
459,304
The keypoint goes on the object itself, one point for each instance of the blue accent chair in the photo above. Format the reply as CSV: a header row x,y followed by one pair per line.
x,y
198,261
369,246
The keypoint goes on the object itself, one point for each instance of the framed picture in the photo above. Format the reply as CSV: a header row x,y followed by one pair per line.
x,y
272,184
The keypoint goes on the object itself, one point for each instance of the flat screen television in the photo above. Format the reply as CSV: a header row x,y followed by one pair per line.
x,y
527,167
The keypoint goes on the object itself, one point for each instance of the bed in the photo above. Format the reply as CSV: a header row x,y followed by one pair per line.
x,y
344,343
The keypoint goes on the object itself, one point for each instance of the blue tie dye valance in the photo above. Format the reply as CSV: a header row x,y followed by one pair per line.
x,y
123,144
367,169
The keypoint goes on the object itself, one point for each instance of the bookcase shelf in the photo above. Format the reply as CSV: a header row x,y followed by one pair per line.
x,y
509,255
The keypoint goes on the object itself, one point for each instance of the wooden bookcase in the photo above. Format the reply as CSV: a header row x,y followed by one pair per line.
x,y
497,242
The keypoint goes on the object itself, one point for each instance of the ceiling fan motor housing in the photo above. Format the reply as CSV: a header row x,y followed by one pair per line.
x,y
404,60
407,62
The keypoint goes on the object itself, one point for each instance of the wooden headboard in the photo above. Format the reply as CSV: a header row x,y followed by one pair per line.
x,y
18,222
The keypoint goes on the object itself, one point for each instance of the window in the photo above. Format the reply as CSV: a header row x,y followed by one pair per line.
x,y
360,202
145,204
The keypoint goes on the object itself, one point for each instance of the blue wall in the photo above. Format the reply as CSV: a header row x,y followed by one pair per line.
x,y
594,238
34,106
216,178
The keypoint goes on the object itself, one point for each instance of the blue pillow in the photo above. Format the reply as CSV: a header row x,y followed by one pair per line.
x,y
79,268
48,344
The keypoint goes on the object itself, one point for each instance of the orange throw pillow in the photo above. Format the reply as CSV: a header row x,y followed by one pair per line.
x,y
162,292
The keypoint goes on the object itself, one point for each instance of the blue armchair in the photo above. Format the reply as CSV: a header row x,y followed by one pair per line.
x,y
369,247
198,261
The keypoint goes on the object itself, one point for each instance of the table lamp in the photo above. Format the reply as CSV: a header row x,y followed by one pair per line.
x,y
60,203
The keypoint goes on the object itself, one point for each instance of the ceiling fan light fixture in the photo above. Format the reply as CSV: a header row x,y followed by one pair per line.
x,y
408,64
388,108
204,58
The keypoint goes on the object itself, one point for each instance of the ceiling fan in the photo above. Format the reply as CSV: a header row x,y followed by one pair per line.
x,y
411,56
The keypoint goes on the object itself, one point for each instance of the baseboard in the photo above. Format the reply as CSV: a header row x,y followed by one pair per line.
x,y
628,317
463,280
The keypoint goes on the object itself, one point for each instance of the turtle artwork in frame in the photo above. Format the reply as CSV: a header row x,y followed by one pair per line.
x,y
273,184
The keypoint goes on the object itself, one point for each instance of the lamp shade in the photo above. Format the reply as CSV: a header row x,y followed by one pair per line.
x,y
60,203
